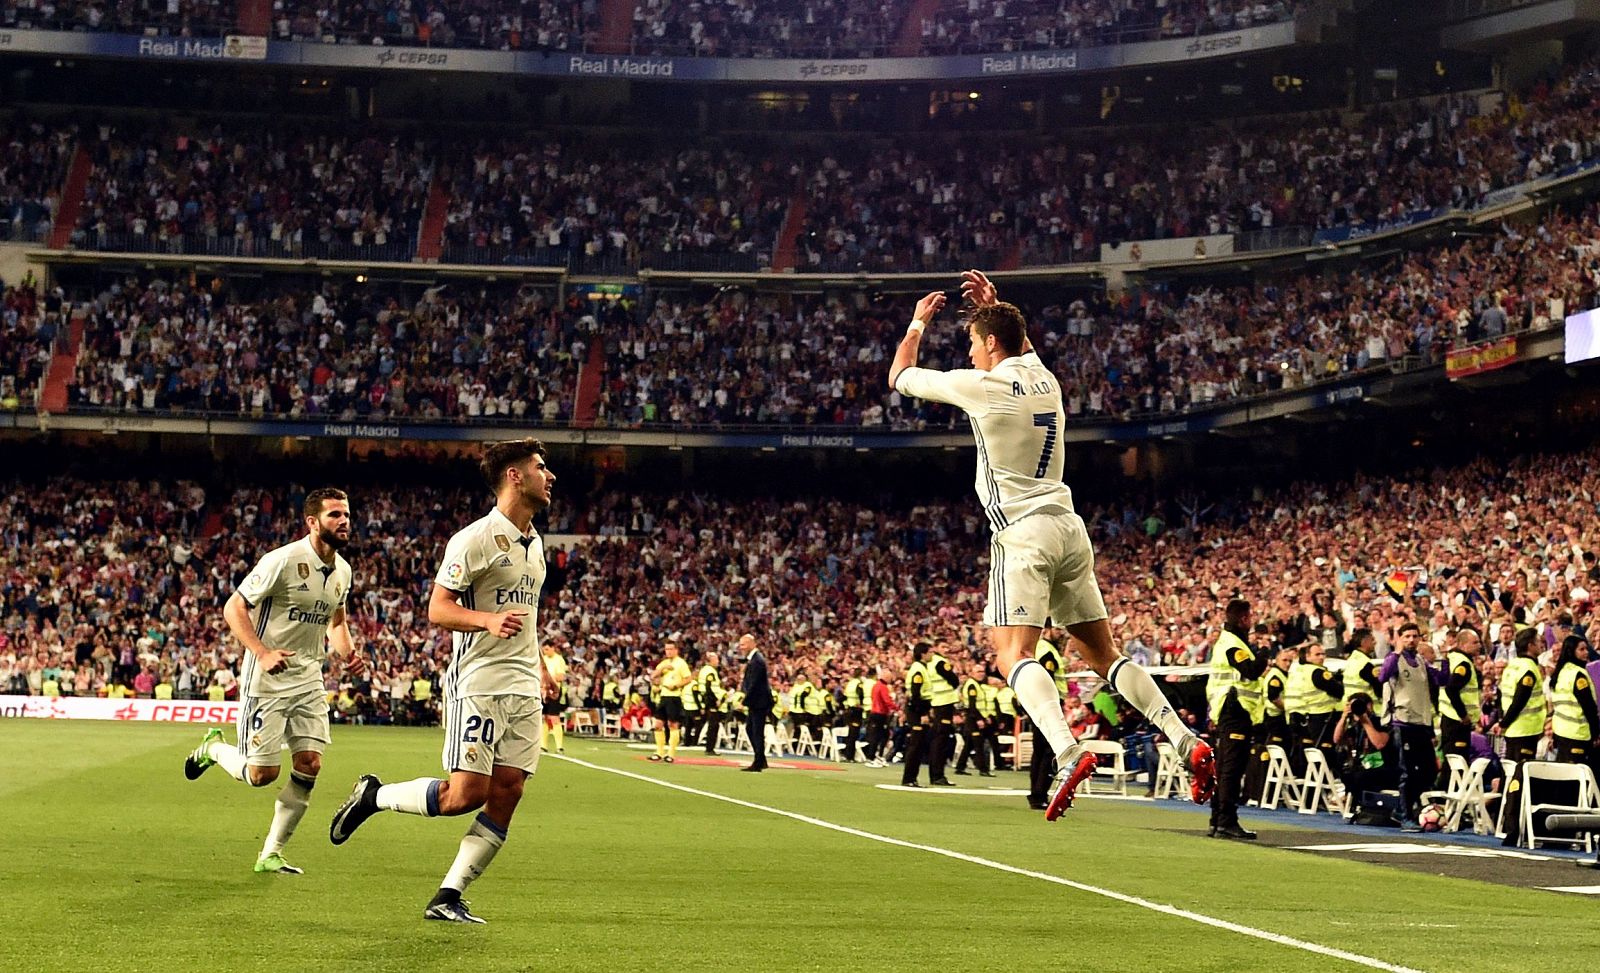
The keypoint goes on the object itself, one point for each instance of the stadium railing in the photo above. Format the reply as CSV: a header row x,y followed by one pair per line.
x,y
203,245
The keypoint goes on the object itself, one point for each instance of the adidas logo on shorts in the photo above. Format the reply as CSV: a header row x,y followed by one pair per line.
x,y
1020,611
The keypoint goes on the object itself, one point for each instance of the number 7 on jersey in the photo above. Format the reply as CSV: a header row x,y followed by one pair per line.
x,y
1050,422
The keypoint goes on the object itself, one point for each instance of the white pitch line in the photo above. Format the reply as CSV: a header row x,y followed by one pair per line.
x,y
1168,910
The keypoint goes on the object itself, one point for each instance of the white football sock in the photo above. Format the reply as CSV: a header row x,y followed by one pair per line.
x,y
1037,693
420,796
228,758
287,812
1133,684
478,847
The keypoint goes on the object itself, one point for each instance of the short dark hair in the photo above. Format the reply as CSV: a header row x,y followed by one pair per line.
x,y
1524,639
497,457
1409,627
1238,608
1005,322
314,500
919,650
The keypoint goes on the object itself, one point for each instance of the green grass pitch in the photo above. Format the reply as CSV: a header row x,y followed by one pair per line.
x,y
112,861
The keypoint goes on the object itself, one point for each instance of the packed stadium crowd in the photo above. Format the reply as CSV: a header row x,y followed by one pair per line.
x,y
346,352
621,201
249,192
496,25
771,360
30,322
115,588
916,205
743,28
967,26
178,18
31,171
747,358
728,28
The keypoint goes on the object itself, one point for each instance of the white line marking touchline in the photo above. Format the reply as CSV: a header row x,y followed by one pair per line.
x,y
1169,910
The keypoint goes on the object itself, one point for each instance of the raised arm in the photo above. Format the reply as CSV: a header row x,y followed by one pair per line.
x,y
905,356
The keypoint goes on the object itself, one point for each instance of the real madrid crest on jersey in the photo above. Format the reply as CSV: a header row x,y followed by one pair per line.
x,y
503,542
304,569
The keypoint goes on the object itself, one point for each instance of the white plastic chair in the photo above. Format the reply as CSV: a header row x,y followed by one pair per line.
x,y
1454,790
1172,776
831,746
1510,767
611,726
1318,784
1587,802
1112,768
778,742
1281,786
803,743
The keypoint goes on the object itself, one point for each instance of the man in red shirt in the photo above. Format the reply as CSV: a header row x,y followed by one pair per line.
x,y
882,706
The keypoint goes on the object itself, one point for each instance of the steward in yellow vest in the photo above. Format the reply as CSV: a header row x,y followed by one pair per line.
x,y
1461,700
1572,701
975,747
1523,708
1360,670
1313,697
917,716
1237,700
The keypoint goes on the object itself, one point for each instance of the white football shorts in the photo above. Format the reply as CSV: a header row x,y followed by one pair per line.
x,y
1042,568
482,731
265,724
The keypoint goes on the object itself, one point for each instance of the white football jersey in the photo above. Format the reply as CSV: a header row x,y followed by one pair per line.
x,y
293,597
1017,419
494,568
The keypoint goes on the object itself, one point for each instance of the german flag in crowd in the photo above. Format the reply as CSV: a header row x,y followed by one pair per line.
x,y
1398,584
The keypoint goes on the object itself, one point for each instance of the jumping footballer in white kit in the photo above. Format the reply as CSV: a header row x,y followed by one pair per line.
x,y
1041,562
285,614
487,595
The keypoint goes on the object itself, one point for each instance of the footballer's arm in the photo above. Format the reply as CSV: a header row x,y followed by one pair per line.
x,y
905,356
236,612
446,611
344,645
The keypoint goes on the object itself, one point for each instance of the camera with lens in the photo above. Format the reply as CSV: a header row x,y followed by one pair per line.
x,y
1359,704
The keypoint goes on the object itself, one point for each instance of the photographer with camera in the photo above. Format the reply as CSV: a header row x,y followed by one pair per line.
x,y
1366,764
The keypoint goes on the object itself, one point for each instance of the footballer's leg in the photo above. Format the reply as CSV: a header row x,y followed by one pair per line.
x,y
1021,567
307,726
287,811
466,759
1077,606
516,757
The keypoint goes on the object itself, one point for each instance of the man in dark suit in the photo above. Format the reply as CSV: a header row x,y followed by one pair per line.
x,y
757,700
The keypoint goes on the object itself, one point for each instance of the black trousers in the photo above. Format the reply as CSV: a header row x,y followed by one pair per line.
x,y
1454,738
917,742
1041,769
1272,733
974,746
1231,734
991,740
877,734
852,722
755,724
709,728
1419,769
1522,749
941,740
1572,751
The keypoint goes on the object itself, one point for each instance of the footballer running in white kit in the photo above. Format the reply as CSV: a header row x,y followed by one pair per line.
x,y
486,594
287,611
1041,562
